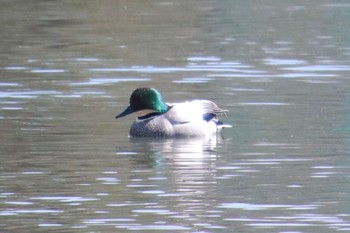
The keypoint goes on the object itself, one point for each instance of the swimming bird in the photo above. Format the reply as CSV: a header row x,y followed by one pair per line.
x,y
196,118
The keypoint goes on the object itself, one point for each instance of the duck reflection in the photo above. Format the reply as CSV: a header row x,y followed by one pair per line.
x,y
180,173
176,149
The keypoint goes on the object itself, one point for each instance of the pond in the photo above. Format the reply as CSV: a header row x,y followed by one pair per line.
x,y
281,69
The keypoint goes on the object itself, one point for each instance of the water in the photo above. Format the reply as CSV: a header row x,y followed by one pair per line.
x,y
280,68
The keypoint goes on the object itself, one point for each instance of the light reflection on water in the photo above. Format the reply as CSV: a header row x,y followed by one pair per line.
x,y
68,165
178,186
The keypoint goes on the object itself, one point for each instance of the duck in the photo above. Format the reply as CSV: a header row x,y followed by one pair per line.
x,y
156,118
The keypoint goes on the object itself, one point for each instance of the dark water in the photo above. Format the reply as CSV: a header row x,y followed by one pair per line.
x,y
280,67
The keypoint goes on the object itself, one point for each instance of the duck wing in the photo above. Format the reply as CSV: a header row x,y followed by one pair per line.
x,y
193,111
210,109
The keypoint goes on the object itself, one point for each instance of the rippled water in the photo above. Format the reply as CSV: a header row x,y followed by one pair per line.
x,y
67,67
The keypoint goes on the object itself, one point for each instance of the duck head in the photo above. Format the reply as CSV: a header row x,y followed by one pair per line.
x,y
145,100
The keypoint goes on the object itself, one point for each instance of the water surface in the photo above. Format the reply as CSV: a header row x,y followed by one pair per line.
x,y
67,67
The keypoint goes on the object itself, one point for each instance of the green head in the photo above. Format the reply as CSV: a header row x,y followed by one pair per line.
x,y
145,99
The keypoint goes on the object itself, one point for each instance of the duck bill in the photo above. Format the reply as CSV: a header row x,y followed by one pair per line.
x,y
126,112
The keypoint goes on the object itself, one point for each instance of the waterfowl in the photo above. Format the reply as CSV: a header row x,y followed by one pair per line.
x,y
196,118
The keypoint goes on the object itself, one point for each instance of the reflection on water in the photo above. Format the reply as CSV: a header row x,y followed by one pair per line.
x,y
68,67
184,173
178,185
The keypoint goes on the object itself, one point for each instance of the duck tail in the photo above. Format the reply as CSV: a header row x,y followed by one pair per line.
x,y
221,125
